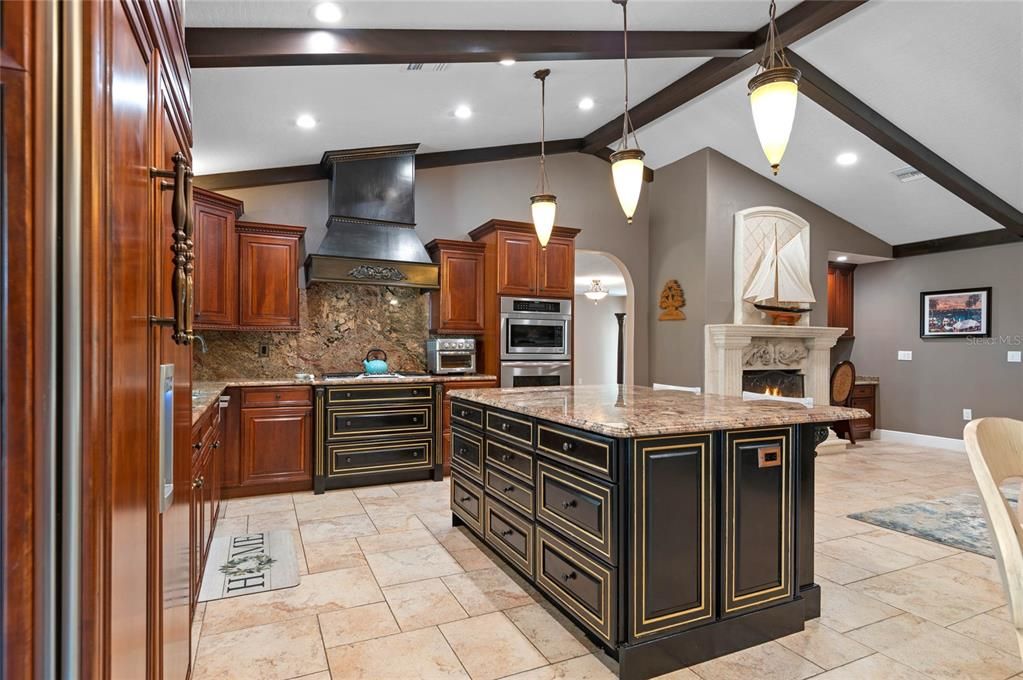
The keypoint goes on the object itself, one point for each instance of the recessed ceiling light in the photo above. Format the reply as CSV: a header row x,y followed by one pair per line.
x,y
586,103
463,112
846,158
841,258
327,13
305,121
507,62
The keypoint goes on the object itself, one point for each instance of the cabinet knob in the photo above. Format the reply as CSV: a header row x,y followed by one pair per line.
x,y
197,483
216,444
507,532
348,423
416,454
508,489
415,419
570,576
464,499
197,446
505,427
462,451
348,395
348,459
567,446
415,393
506,457
277,396
463,413
569,504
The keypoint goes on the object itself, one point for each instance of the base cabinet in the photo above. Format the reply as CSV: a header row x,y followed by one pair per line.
x,y
864,396
207,478
275,440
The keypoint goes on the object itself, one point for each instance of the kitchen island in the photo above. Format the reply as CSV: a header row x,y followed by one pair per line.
x,y
673,527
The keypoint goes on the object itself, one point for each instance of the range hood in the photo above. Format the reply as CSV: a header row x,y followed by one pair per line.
x,y
371,232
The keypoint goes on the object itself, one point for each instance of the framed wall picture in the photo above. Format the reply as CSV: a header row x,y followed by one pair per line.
x,y
964,313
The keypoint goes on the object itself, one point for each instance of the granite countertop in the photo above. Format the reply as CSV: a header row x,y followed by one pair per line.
x,y
868,380
634,411
206,394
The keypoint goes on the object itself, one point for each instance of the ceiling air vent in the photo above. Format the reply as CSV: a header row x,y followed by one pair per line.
x,y
908,174
426,67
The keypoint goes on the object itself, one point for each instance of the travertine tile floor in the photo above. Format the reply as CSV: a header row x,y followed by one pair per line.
x,y
391,591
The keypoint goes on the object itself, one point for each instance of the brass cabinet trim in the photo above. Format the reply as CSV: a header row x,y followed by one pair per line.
x,y
475,523
364,448
501,433
508,500
603,545
707,589
604,470
599,624
370,388
424,428
320,454
471,423
782,435
509,517
460,463
507,468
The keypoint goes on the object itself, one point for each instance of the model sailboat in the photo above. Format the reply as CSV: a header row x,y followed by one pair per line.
x,y
784,278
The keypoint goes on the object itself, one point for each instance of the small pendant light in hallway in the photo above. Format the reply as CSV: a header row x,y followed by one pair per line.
x,y
626,163
773,92
543,204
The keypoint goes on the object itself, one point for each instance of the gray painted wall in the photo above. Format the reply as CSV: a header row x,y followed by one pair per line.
x,y
452,201
927,395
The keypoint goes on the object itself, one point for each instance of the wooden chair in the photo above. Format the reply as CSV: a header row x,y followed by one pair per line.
x,y
843,379
995,449
662,386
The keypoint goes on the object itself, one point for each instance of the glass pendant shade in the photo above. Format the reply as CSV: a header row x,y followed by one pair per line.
x,y
627,174
543,207
773,95
596,292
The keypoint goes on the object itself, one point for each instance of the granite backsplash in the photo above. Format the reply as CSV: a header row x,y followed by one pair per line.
x,y
339,324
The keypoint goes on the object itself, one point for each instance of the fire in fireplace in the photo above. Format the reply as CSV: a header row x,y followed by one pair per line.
x,y
775,382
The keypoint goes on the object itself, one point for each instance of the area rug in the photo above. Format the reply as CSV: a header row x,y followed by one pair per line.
x,y
249,563
957,521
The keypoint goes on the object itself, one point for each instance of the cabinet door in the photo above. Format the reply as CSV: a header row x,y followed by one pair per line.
x,y
276,445
216,255
556,268
197,545
516,264
461,294
267,281
840,298
756,537
208,483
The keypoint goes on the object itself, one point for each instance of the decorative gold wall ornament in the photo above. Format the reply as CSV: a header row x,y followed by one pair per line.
x,y
673,299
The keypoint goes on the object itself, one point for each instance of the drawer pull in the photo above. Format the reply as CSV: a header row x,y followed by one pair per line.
x,y
348,459
216,444
416,454
505,427
508,489
348,423
506,457
415,393
348,395
570,576
462,451
567,446
277,396
415,419
569,504
507,532
197,446
465,499
463,413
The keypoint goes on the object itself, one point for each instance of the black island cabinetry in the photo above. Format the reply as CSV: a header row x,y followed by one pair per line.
x,y
668,549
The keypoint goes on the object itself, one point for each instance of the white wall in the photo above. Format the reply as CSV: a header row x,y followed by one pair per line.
x,y
595,344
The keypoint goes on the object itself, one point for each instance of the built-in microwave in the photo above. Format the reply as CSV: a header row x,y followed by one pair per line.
x,y
534,329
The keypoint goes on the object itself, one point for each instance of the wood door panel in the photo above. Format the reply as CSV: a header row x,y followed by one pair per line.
x,y
556,269
461,301
276,445
840,297
268,281
216,278
516,264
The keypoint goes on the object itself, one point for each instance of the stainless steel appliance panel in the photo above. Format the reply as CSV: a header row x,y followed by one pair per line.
x,y
536,329
536,373
451,355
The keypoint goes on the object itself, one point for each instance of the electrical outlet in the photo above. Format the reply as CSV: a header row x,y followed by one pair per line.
x,y
264,351
905,355
967,414
1015,357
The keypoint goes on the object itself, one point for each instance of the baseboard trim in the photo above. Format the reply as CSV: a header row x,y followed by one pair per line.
x,y
947,443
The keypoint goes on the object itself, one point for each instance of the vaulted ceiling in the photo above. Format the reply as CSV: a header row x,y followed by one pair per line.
x,y
948,73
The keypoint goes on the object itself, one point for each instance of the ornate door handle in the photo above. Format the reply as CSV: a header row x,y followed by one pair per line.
x,y
183,249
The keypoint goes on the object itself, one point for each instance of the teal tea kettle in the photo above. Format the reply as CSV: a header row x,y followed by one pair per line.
x,y
375,362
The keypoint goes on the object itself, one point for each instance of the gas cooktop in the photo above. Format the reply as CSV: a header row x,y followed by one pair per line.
x,y
345,375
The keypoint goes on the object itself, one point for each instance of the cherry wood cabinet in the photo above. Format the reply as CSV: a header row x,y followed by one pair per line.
x,y
840,296
555,269
516,263
268,260
274,448
458,306
216,259
205,488
864,396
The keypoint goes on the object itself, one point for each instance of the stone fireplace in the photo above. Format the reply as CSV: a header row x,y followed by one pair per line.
x,y
779,383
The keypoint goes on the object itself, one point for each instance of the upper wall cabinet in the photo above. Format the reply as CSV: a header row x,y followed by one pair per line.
x,y
458,306
268,256
521,266
840,296
216,271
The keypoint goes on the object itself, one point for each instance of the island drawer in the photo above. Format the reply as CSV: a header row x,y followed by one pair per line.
x,y
582,509
516,493
584,451
518,430
349,395
467,501
509,534
466,414
467,453
582,585
510,459
363,458
379,421
254,397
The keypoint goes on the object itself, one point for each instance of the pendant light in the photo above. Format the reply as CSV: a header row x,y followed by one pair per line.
x,y
627,164
543,204
596,291
773,92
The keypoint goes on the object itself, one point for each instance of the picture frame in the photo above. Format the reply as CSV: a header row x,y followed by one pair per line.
x,y
957,313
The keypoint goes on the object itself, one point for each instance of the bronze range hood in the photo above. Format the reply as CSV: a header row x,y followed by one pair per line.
x,y
371,232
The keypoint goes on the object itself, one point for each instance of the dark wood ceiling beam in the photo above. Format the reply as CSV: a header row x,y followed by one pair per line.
x,y
844,105
243,179
980,239
797,23
242,47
